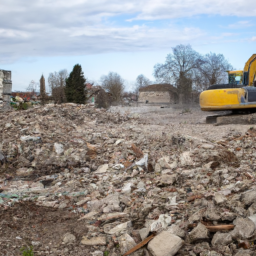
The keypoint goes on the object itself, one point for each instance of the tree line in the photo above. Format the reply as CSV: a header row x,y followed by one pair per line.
x,y
184,68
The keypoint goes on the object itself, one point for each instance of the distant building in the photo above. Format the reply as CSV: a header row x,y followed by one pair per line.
x,y
158,94
26,95
5,85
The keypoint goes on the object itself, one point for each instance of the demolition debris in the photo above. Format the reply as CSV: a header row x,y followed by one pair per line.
x,y
76,180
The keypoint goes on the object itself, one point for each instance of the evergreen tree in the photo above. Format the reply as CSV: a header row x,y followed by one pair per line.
x,y
42,89
75,86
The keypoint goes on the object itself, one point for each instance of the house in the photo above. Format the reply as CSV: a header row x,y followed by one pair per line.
x,y
158,95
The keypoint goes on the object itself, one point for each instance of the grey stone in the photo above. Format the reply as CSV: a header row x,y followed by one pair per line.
x,y
176,230
144,233
198,233
244,228
97,253
249,197
126,243
221,239
100,240
121,228
69,238
167,179
242,252
165,244
219,198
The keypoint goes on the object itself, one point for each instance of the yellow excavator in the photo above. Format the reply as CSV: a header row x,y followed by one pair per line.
x,y
239,94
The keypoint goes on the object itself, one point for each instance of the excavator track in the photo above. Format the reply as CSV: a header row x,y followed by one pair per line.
x,y
235,117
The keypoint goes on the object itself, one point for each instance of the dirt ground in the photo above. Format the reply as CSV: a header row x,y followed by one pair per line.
x,y
40,226
188,120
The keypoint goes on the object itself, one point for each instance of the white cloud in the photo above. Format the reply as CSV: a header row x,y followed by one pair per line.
x,y
253,38
64,27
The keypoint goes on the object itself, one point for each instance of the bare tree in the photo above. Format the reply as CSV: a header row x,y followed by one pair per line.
x,y
212,69
32,87
141,81
57,83
114,84
179,69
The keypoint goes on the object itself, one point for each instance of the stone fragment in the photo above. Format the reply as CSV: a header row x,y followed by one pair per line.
x,y
97,253
89,216
102,169
69,238
121,228
253,219
100,240
59,149
244,228
163,221
126,243
24,172
166,180
207,146
221,239
165,244
144,232
200,232
219,198
249,197
185,159
242,252
176,230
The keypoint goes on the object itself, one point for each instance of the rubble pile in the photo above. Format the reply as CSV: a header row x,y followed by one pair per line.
x,y
80,181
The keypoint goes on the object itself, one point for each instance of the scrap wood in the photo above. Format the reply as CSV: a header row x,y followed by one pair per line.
x,y
137,151
139,245
220,227
192,198
213,228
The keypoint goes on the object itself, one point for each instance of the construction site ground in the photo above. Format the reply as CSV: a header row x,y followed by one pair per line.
x,y
75,180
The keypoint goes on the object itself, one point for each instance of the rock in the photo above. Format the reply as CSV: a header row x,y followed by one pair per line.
x,y
158,168
101,240
207,146
97,253
59,149
244,228
199,233
119,229
165,244
219,198
69,238
167,180
30,138
176,230
102,169
253,219
185,159
24,172
242,252
163,221
126,243
221,239
127,188
144,233
249,197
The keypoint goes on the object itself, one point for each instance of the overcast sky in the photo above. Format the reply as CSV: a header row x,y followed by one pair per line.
x,y
128,37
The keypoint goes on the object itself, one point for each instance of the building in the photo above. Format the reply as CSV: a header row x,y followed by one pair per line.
x,y
5,85
158,95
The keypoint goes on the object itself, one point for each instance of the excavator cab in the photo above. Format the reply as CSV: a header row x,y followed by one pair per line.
x,y
235,77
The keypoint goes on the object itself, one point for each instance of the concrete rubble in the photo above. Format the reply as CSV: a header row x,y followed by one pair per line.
x,y
100,185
